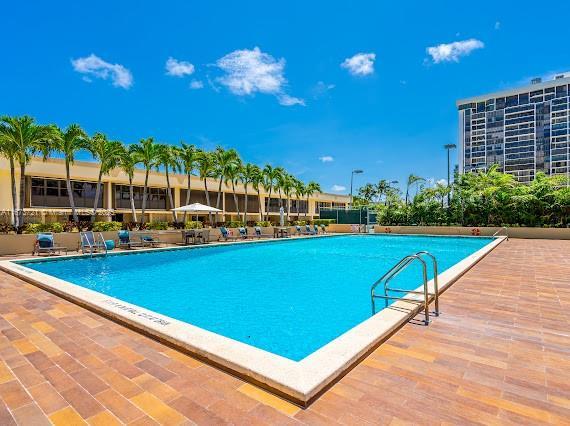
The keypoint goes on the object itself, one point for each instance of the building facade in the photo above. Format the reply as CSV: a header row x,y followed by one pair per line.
x,y
46,197
523,131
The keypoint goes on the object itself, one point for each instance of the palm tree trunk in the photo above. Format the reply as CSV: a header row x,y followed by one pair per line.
x,y
297,207
170,199
218,201
132,197
97,195
143,206
22,194
259,202
307,213
267,205
70,193
187,195
407,193
245,207
14,196
235,198
207,199
288,208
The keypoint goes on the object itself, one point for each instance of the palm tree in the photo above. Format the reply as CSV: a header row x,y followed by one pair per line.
x,y
280,174
127,163
310,189
188,157
108,153
145,153
256,182
68,142
269,177
250,174
287,185
382,189
412,180
368,192
224,161
8,151
299,187
24,138
233,175
167,157
206,169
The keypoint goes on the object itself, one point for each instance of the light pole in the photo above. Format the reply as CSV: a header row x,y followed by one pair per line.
x,y
356,171
449,147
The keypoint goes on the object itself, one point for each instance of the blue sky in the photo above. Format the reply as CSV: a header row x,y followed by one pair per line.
x,y
288,83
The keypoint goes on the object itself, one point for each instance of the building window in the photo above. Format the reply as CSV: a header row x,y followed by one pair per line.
x,y
157,198
53,193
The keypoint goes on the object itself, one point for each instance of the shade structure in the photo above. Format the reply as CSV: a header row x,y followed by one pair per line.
x,y
197,208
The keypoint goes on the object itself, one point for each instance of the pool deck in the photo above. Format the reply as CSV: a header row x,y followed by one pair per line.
x,y
498,354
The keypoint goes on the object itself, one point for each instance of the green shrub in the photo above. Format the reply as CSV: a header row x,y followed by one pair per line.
x,y
299,222
234,224
157,226
193,224
325,222
34,228
263,223
107,226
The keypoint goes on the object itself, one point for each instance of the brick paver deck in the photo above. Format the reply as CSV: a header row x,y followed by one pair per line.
x,y
499,354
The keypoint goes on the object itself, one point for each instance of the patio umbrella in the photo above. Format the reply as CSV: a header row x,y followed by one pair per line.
x,y
281,216
197,208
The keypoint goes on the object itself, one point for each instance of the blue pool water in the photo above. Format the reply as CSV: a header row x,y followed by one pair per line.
x,y
288,297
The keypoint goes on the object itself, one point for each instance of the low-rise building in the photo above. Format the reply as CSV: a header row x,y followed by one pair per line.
x,y
46,197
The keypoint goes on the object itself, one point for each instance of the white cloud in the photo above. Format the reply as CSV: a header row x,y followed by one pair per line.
x,y
196,84
498,25
321,89
177,68
453,51
326,159
442,182
250,71
338,188
94,66
360,64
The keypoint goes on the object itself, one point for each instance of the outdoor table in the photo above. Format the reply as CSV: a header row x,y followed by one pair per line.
x,y
280,232
195,234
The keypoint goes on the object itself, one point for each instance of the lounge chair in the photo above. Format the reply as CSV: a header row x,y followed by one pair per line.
x,y
91,242
243,232
309,231
125,241
259,233
45,244
316,228
299,231
225,234
148,240
323,229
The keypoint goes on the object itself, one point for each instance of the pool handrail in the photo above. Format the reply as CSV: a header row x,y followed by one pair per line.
x,y
502,228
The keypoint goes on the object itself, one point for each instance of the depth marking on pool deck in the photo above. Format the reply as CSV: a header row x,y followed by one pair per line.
x,y
136,312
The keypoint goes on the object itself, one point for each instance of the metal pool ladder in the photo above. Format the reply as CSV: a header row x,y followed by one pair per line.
x,y
399,267
501,229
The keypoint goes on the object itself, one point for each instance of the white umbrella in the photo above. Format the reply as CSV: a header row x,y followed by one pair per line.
x,y
197,208
281,216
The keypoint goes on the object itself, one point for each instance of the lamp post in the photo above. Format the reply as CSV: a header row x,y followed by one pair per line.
x,y
449,147
356,171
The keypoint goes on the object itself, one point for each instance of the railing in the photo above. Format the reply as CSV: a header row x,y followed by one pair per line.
x,y
501,229
395,270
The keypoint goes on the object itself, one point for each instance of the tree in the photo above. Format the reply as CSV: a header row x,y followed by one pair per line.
x,y
8,151
287,185
146,154
280,175
167,157
108,153
382,189
269,176
24,138
299,188
224,161
250,174
233,176
310,189
368,192
127,163
206,169
412,180
188,155
68,142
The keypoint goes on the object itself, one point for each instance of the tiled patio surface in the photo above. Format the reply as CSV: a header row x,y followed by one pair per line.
x,y
499,354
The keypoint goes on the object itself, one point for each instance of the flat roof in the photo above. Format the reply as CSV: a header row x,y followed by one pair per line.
x,y
508,92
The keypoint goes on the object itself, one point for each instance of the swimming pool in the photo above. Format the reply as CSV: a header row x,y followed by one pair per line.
x,y
301,306
289,298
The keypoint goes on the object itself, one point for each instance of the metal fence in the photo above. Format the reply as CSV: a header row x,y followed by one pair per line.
x,y
352,216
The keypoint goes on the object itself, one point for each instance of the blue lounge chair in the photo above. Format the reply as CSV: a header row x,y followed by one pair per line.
x,y
150,241
260,234
299,231
125,241
316,228
45,244
225,234
309,231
